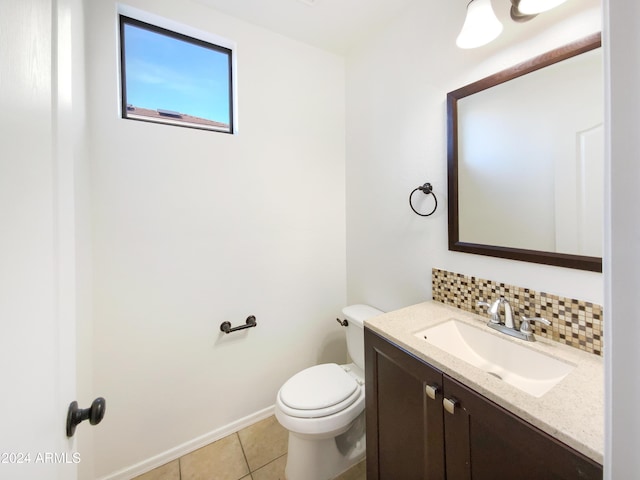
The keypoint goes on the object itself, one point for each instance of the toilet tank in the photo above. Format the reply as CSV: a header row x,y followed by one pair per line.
x,y
355,316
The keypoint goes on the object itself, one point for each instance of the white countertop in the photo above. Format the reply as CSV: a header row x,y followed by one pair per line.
x,y
572,411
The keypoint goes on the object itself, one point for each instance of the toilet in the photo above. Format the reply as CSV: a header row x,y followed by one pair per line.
x,y
322,407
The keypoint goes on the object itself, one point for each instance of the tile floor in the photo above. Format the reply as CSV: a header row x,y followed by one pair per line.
x,y
258,452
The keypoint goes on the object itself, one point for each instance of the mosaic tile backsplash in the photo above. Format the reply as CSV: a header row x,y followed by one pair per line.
x,y
573,322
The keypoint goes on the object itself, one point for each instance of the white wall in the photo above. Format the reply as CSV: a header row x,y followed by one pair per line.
x,y
396,140
192,228
622,255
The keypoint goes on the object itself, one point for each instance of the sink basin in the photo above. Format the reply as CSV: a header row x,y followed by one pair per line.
x,y
532,372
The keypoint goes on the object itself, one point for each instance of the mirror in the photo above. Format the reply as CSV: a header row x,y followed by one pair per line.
x,y
526,160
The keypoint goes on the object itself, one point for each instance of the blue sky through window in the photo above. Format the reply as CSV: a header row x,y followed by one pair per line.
x,y
164,72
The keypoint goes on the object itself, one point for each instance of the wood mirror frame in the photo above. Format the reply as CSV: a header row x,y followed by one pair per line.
x,y
581,262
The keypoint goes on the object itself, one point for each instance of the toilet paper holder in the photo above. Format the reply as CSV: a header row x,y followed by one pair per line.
x,y
249,323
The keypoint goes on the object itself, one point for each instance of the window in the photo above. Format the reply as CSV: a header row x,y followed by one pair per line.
x,y
175,79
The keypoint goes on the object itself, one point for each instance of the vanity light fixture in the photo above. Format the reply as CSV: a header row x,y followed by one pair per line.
x,y
525,10
481,25
533,7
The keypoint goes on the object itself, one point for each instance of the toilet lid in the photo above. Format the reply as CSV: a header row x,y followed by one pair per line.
x,y
318,387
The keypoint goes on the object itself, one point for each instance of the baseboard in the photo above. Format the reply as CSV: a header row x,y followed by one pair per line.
x,y
188,447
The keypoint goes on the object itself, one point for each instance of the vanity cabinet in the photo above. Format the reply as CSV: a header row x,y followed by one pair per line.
x,y
412,436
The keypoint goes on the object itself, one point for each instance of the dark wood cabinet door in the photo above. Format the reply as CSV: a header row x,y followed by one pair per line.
x,y
404,424
486,442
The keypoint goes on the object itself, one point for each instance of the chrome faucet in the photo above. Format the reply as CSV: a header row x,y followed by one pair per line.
x,y
494,311
508,326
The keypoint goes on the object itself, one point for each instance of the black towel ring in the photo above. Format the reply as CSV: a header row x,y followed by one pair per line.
x,y
426,189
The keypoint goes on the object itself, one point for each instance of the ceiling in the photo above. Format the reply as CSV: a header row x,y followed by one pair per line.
x,y
338,25
332,25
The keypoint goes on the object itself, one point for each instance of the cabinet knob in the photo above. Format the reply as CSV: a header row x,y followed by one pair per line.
x,y
432,391
450,405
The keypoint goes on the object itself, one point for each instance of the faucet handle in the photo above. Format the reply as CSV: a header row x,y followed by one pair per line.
x,y
525,325
493,309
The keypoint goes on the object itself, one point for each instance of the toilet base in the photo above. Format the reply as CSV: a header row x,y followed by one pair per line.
x,y
310,458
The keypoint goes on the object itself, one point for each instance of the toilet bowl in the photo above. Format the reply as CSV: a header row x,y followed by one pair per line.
x,y
322,407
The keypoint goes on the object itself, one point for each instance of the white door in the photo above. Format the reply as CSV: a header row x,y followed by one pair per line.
x,y
37,322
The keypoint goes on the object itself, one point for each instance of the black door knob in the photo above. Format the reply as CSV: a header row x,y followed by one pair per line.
x,y
94,414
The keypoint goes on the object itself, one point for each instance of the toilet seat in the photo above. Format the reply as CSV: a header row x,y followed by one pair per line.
x,y
319,391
